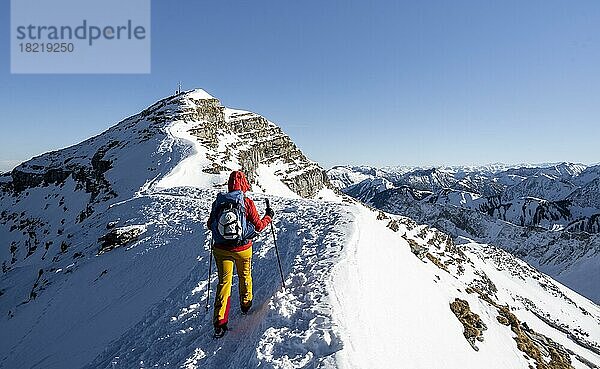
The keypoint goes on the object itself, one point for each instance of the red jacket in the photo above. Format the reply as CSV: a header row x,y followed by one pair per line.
x,y
237,181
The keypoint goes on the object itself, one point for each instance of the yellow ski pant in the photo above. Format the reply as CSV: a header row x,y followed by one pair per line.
x,y
225,261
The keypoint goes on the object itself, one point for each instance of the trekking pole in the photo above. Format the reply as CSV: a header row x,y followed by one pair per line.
x,y
209,273
276,250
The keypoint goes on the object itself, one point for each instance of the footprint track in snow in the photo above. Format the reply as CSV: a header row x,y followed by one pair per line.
x,y
291,328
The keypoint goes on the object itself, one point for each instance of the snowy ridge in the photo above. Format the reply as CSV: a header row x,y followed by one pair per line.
x,y
107,264
455,272
284,329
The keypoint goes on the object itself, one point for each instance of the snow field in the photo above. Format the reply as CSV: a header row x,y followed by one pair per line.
x,y
395,309
84,307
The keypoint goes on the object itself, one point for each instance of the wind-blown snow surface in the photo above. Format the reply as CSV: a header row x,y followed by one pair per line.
x,y
355,296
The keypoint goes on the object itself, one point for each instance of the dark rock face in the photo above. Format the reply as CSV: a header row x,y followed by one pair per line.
x,y
89,177
308,183
531,212
171,108
589,225
23,180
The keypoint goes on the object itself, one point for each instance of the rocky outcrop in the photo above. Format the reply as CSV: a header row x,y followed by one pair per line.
x,y
541,350
183,107
472,323
22,179
118,237
546,353
252,140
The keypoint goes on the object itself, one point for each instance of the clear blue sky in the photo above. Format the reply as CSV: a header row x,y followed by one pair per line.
x,y
352,82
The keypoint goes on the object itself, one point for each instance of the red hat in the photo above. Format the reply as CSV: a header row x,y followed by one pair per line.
x,y
238,181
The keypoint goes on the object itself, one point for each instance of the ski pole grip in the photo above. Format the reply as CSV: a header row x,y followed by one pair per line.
x,y
268,203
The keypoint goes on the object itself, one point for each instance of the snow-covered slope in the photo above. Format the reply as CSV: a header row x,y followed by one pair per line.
x,y
572,258
106,264
368,188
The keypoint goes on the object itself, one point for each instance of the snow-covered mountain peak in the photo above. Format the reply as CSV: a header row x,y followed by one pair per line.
x,y
224,139
198,94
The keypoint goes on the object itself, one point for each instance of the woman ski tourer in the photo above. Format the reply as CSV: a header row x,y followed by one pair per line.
x,y
234,221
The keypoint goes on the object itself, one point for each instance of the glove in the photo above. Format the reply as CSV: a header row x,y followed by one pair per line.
x,y
270,213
